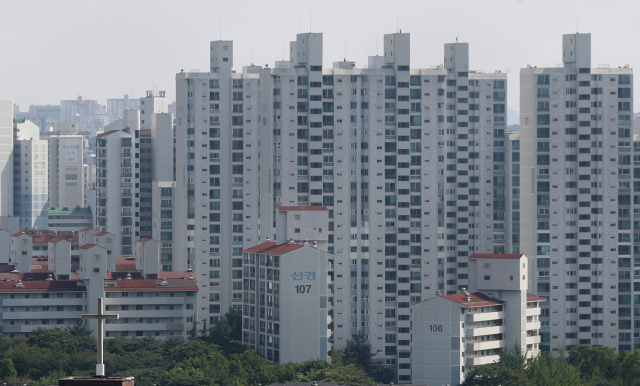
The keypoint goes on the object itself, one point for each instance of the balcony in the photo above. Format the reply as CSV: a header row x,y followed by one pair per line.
x,y
531,311
489,330
484,316
481,360
486,345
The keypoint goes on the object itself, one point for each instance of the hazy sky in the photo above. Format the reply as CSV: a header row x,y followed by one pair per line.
x,y
54,50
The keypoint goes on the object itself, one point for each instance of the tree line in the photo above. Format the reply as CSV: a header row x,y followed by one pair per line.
x,y
212,356
580,366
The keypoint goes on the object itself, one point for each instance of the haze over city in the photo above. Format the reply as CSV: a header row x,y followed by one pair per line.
x,y
103,49
336,193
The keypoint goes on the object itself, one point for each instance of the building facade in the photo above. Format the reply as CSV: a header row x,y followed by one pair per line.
x,y
30,175
452,334
66,175
409,162
285,301
6,157
577,157
117,181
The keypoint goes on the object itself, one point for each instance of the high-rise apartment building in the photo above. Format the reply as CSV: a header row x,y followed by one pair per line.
x,y
409,162
117,181
577,157
6,157
30,175
66,187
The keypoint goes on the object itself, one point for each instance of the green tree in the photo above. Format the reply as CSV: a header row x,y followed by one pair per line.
x,y
495,374
343,375
7,370
358,351
79,328
546,370
595,361
336,356
193,333
630,368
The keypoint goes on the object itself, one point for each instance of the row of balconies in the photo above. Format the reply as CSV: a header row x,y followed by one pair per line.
x,y
144,327
489,330
51,302
484,316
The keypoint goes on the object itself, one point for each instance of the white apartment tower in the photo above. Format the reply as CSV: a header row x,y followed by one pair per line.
x,y
117,182
577,153
30,175
452,334
66,174
153,103
6,157
410,164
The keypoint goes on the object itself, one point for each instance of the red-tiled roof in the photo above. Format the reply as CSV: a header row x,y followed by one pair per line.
x,y
270,248
88,246
101,233
85,229
43,262
124,264
7,268
143,240
27,276
152,285
44,236
477,299
285,208
55,240
496,256
534,298
41,286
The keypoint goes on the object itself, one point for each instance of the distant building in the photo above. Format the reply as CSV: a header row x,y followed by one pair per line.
x,y
452,334
44,116
284,302
116,107
6,157
64,281
68,219
30,175
117,175
66,185
88,114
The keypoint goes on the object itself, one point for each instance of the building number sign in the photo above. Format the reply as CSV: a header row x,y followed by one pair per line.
x,y
304,275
